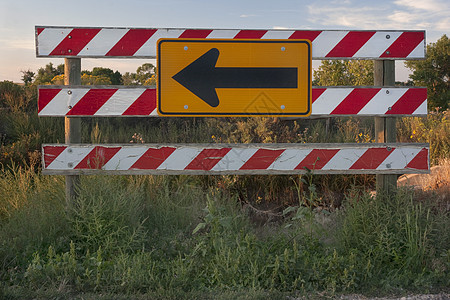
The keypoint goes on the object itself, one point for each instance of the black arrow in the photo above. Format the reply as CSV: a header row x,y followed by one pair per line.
x,y
202,77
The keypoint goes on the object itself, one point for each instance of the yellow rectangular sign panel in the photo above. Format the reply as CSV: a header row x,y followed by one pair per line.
x,y
219,77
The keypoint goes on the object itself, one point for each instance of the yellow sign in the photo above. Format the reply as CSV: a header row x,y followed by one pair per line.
x,y
207,77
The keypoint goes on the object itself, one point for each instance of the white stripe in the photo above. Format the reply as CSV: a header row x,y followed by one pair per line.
x,y
234,159
70,158
329,100
119,102
50,38
381,102
418,52
377,44
278,34
180,158
59,105
399,158
125,158
76,95
223,34
289,159
344,159
102,42
422,109
149,47
325,42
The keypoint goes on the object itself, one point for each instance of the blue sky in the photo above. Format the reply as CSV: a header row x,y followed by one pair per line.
x,y
18,18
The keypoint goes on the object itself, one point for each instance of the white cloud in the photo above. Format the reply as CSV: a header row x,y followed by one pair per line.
x,y
247,16
427,5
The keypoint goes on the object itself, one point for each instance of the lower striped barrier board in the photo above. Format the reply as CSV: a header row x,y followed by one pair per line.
x,y
110,101
218,159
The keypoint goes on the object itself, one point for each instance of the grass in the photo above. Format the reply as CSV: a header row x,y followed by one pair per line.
x,y
167,238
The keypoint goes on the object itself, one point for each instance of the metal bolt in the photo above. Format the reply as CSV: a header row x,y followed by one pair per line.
x,y
185,48
69,92
390,108
70,106
70,50
69,36
388,166
388,52
186,107
388,148
70,165
388,36
387,92
283,48
283,107
69,150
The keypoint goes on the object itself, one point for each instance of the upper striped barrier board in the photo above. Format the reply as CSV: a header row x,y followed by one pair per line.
x,y
104,42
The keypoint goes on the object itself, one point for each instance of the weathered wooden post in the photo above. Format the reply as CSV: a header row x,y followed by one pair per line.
x,y
385,127
72,76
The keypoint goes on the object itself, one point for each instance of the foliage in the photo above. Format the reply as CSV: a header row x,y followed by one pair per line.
x,y
433,129
86,79
107,75
145,75
344,73
133,236
46,74
434,73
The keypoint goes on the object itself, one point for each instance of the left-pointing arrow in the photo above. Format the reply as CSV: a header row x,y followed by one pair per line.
x,y
202,77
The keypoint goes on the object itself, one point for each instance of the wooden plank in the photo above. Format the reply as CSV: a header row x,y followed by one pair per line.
x,y
385,127
220,159
109,101
72,76
109,42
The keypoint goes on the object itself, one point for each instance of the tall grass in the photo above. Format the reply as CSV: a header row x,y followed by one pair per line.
x,y
167,237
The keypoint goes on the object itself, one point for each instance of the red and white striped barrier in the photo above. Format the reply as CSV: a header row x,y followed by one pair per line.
x,y
236,159
141,42
141,101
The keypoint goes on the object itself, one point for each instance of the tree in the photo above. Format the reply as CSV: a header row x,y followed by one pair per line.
x,y
46,74
114,77
27,76
145,75
434,73
350,73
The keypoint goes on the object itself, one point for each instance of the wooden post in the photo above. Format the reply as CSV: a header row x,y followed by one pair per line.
x,y
385,127
72,76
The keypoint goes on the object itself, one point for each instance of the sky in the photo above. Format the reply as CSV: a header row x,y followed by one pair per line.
x,y
18,19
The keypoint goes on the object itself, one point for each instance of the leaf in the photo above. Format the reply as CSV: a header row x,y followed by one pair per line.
x,y
199,227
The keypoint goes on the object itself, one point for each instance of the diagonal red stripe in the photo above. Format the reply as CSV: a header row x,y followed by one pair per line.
x,y
262,159
305,35
316,92
317,159
207,159
75,41
143,105
195,33
39,30
355,101
51,153
131,42
152,158
45,96
250,34
97,158
91,102
420,161
350,44
371,159
404,44
409,102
